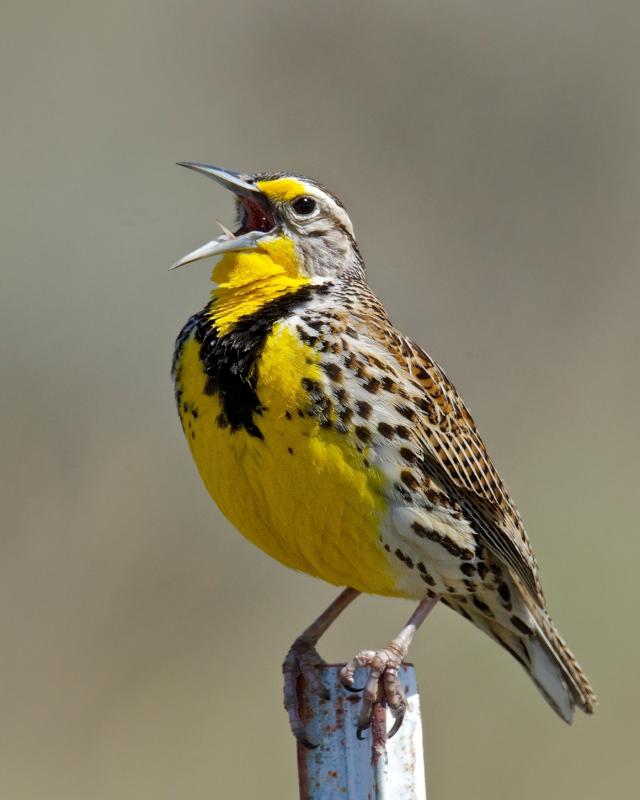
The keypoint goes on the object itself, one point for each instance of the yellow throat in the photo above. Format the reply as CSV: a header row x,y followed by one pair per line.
x,y
248,280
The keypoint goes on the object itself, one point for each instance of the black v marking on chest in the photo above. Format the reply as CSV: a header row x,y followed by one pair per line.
x,y
230,361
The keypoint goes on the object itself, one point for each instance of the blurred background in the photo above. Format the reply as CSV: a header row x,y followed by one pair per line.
x,y
488,155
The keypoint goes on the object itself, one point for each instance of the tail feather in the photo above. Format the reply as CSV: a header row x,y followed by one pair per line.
x,y
551,664
551,678
565,668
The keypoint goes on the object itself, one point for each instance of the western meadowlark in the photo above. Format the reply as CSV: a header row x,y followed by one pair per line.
x,y
340,448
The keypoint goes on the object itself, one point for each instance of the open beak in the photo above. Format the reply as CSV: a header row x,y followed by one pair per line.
x,y
258,220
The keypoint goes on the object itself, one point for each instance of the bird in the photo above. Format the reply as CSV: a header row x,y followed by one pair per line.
x,y
341,449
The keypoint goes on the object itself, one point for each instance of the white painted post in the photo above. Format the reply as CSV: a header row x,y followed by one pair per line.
x,y
344,768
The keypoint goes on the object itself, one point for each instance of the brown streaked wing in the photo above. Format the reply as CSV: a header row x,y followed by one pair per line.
x,y
456,457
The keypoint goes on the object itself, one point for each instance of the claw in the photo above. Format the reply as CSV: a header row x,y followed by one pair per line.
x,y
396,726
353,689
308,743
382,685
301,734
298,730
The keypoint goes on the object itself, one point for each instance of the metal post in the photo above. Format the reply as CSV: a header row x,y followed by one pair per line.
x,y
345,768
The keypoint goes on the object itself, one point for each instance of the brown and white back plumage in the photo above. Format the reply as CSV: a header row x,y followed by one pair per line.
x,y
447,470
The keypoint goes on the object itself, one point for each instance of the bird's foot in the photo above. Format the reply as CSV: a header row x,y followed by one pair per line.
x,y
302,659
382,683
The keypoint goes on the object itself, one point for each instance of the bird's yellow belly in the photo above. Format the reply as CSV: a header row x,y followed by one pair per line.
x,y
302,493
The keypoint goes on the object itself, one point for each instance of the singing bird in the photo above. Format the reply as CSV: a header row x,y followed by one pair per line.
x,y
341,449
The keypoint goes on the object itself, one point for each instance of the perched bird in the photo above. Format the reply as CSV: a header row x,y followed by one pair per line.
x,y
340,448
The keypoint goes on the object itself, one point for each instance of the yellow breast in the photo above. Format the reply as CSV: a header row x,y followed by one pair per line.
x,y
302,493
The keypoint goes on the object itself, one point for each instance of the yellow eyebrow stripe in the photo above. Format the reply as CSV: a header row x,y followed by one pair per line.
x,y
281,190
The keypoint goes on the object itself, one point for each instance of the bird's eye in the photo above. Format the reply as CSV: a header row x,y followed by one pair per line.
x,y
304,206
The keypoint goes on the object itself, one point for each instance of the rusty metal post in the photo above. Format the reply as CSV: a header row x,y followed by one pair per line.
x,y
343,767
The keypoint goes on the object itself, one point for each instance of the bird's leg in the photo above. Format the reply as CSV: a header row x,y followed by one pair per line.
x,y
383,670
303,659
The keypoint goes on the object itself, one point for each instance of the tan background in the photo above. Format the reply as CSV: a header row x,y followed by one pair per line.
x,y
488,153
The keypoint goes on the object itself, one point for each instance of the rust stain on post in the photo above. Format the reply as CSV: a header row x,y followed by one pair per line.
x,y
343,767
